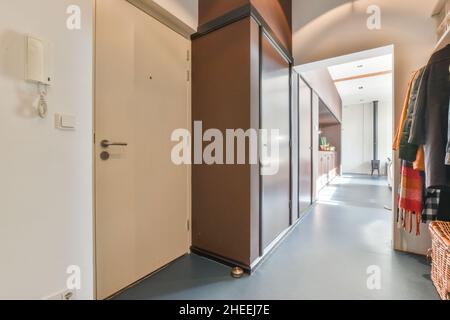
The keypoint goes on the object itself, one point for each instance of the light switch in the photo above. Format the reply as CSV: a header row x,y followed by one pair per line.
x,y
64,121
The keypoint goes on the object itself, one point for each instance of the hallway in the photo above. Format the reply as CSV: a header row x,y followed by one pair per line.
x,y
358,191
326,256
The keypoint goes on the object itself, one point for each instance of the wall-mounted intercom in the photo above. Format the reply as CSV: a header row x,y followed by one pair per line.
x,y
37,69
38,60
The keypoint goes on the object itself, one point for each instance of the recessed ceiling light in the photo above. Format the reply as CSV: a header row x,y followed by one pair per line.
x,y
360,66
360,87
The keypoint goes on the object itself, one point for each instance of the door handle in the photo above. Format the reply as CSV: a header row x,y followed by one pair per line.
x,y
107,143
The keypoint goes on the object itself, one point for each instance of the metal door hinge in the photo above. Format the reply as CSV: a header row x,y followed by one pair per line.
x,y
188,76
188,225
290,204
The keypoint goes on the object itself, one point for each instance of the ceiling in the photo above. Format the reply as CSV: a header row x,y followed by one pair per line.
x,y
364,81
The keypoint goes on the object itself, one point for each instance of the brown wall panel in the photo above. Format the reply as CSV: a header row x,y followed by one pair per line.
x,y
213,9
221,96
278,15
225,95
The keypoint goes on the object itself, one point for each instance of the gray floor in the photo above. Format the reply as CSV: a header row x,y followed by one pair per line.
x,y
325,257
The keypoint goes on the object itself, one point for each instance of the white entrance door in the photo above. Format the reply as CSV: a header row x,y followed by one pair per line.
x,y
142,198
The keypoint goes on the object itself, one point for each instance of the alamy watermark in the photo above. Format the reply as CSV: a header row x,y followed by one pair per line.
x,y
73,281
233,146
73,22
374,20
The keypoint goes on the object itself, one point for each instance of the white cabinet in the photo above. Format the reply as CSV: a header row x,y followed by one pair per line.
x,y
327,168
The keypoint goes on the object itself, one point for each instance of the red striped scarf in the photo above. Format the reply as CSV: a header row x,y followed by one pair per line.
x,y
410,197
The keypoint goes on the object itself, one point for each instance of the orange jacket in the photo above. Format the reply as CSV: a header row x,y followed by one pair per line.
x,y
398,135
419,164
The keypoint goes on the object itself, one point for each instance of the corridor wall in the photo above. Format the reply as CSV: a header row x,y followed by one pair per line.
x,y
321,31
358,137
46,221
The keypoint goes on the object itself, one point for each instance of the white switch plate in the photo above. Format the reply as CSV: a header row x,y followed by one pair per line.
x,y
65,121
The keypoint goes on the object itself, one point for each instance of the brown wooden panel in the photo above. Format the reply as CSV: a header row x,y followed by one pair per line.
x,y
278,15
221,97
305,150
212,9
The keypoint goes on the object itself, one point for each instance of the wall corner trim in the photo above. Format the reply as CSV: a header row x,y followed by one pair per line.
x,y
238,14
165,17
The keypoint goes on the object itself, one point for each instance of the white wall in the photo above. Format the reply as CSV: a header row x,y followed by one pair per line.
x,y
185,10
385,133
320,80
357,141
324,29
46,174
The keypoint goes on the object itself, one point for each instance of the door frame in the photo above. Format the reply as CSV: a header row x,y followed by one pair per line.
x,y
175,24
302,213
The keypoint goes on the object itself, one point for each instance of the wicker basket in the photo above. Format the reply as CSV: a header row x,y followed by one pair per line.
x,y
440,273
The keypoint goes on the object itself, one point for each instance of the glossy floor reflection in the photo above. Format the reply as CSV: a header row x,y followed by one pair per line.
x,y
325,257
358,190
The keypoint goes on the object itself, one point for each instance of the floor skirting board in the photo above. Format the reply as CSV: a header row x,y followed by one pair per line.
x,y
258,262
220,259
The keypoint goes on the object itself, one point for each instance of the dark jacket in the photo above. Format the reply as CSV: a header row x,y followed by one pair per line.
x,y
430,119
408,151
447,158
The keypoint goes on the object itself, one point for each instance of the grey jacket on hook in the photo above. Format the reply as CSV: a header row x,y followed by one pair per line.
x,y
430,119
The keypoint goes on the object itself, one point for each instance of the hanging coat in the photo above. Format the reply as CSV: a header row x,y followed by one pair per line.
x,y
430,119
447,158
408,151
401,126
